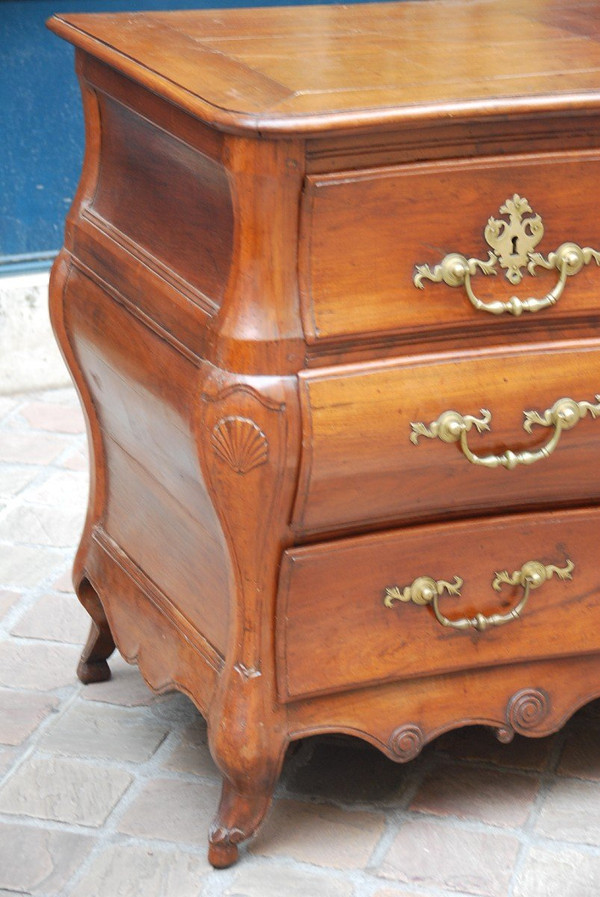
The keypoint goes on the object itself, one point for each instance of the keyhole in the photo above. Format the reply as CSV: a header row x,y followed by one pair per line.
x,y
514,242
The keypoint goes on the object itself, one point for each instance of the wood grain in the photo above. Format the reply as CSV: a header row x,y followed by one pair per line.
x,y
337,589
358,265
185,223
236,305
359,465
354,67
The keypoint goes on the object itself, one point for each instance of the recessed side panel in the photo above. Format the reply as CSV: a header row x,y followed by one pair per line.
x,y
168,200
158,511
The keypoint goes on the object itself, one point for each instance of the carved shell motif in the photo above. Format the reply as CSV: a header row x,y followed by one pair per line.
x,y
241,443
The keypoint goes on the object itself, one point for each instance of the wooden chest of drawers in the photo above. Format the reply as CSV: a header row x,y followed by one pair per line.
x,y
330,296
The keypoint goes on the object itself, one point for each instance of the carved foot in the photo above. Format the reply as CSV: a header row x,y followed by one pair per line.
x,y
100,644
222,847
89,671
238,817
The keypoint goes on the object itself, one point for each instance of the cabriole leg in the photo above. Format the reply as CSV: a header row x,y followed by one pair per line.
x,y
243,807
238,817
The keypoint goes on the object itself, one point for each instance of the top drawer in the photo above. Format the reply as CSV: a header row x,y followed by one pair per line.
x,y
364,233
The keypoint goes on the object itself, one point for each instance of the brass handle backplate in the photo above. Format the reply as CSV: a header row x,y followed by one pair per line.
x,y
512,243
426,590
454,427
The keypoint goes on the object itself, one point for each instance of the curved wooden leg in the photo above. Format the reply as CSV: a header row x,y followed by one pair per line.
x,y
247,724
250,755
238,817
100,645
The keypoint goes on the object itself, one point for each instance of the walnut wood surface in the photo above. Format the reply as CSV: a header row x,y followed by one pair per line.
x,y
357,266
338,588
354,67
235,303
359,465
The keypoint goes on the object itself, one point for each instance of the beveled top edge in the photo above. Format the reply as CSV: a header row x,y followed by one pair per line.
x,y
372,66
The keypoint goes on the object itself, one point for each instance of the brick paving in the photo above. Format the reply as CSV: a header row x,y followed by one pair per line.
x,y
107,790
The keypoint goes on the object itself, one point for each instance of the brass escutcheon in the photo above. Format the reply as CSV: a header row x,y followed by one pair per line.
x,y
512,243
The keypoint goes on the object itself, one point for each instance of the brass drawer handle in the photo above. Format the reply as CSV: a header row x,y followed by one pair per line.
x,y
425,590
454,427
512,245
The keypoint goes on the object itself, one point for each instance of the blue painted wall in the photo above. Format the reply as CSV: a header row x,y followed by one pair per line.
x,y
41,126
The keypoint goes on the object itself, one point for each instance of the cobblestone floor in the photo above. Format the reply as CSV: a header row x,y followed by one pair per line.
x,y
107,790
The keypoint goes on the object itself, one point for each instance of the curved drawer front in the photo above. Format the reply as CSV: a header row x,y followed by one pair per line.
x,y
364,233
336,632
360,465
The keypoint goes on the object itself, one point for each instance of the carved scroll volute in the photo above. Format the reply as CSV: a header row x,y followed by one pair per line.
x,y
406,742
528,710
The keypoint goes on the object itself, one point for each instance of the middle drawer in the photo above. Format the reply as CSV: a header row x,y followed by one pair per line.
x,y
378,444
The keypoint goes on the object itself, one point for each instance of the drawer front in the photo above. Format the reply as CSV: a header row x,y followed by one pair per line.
x,y
360,466
364,233
335,632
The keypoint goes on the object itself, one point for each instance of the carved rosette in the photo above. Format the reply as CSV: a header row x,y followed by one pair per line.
x,y
406,742
240,443
527,710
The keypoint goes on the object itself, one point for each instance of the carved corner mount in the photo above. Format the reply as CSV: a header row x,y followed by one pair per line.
x,y
240,442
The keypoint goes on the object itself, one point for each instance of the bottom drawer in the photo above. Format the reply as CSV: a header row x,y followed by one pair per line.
x,y
357,611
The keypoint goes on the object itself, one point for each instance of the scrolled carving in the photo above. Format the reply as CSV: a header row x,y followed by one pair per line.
x,y
240,442
527,710
406,742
